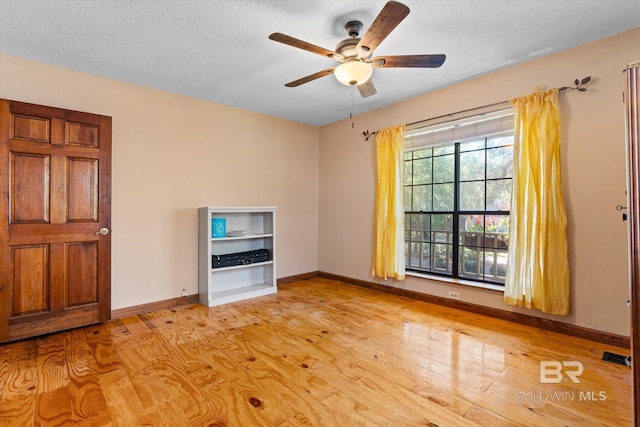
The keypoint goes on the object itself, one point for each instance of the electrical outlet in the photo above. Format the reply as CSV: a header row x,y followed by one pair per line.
x,y
184,292
454,295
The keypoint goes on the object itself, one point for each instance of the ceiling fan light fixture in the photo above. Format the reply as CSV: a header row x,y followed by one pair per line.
x,y
353,73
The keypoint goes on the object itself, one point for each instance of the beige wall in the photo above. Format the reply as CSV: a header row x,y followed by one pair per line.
x,y
593,150
173,154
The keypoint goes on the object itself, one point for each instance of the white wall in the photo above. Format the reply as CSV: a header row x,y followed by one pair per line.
x,y
593,155
173,154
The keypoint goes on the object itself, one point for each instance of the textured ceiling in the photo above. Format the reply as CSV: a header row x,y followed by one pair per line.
x,y
220,51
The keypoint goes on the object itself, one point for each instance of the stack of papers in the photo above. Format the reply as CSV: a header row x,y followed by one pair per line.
x,y
239,233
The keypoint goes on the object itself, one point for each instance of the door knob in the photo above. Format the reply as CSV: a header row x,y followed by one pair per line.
x,y
103,231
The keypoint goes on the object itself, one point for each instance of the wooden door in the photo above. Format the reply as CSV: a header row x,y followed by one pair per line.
x,y
55,197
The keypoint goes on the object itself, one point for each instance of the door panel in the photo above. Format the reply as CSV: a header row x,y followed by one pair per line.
x,y
31,128
29,284
82,283
81,134
55,194
82,175
29,187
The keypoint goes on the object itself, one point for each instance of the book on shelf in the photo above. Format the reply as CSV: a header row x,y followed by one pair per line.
x,y
218,227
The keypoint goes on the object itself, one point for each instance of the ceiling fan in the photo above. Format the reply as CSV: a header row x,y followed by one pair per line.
x,y
354,53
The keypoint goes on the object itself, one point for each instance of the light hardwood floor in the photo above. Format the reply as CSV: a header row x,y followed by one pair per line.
x,y
319,353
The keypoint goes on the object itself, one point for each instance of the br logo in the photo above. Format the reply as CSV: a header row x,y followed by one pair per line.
x,y
553,372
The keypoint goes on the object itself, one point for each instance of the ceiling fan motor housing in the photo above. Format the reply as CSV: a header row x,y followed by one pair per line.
x,y
347,48
353,28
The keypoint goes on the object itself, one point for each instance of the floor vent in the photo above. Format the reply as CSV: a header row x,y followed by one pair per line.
x,y
616,358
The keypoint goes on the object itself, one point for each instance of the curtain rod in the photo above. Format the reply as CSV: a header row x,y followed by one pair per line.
x,y
579,86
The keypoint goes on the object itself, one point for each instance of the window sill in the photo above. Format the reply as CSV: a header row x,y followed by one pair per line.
x,y
454,281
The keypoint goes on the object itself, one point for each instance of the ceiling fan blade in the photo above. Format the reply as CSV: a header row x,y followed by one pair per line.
x,y
409,61
389,17
310,77
292,41
367,89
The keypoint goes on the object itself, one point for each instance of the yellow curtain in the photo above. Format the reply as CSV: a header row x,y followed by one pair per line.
x,y
538,272
388,259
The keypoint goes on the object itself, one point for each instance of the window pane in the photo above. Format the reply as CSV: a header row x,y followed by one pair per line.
x,y
422,171
472,165
408,173
472,145
499,195
495,265
408,155
442,222
498,226
415,255
443,169
419,221
407,254
472,196
443,197
419,227
407,229
446,149
501,269
498,141
422,198
441,236
426,256
472,223
489,263
471,230
471,265
500,163
442,257
408,199
419,154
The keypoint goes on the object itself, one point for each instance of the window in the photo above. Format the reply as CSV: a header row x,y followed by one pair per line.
x,y
457,190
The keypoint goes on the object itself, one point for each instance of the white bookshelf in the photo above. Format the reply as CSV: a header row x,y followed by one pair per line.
x,y
228,284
